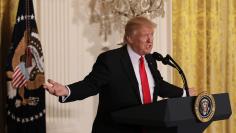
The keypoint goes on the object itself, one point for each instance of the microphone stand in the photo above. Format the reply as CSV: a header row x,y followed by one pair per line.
x,y
169,60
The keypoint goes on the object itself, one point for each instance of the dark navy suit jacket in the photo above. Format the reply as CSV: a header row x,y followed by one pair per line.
x,y
113,78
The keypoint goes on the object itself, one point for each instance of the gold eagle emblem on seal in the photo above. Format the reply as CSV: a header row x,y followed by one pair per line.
x,y
204,107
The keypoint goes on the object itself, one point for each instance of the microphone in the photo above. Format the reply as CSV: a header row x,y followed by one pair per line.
x,y
168,60
157,56
165,60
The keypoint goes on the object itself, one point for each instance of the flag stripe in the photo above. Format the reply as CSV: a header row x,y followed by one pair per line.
x,y
18,79
16,73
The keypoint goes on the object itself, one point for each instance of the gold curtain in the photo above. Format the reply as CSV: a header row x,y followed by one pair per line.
x,y
204,44
8,10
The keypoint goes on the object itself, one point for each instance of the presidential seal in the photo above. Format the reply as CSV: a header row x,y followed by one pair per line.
x,y
204,107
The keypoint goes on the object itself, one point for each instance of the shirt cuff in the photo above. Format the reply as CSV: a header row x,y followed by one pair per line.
x,y
184,93
65,97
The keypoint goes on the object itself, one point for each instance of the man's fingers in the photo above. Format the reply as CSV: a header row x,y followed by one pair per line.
x,y
193,92
49,88
51,81
47,85
53,87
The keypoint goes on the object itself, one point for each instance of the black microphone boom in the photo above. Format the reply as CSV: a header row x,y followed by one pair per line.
x,y
165,60
168,60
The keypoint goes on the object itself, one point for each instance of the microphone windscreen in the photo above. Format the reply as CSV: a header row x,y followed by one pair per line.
x,y
157,56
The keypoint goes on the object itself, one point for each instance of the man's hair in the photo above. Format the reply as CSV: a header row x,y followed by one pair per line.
x,y
136,23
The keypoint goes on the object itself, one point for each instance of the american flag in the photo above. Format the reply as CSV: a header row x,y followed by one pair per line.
x,y
20,76
26,106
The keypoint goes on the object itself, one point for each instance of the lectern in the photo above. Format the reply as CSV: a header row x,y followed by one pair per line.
x,y
174,115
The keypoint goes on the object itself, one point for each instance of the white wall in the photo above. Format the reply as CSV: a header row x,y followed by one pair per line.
x,y
71,45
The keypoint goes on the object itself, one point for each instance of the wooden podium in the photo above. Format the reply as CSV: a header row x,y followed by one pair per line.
x,y
175,115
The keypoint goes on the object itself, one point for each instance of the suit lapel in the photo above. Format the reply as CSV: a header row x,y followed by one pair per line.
x,y
128,68
153,67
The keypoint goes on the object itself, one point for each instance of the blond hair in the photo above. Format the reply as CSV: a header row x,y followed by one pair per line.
x,y
135,23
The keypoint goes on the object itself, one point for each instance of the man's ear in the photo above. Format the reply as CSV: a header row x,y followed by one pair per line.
x,y
129,39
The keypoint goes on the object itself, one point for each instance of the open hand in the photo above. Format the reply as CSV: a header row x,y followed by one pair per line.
x,y
55,88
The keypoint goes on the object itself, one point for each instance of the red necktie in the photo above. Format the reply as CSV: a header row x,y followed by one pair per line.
x,y
144,82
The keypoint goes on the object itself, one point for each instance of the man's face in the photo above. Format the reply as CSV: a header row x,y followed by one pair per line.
x,y
141,41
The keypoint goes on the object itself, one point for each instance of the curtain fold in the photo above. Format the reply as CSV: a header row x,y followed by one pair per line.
x,y
204,44
8,10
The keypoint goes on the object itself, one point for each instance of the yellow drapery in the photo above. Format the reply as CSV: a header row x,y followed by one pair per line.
x,y
204,44
8,10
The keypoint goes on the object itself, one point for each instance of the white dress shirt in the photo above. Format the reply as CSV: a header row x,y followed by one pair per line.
x,y
135,62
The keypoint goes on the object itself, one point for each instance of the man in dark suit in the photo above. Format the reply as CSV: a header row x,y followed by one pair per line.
x,y
124,77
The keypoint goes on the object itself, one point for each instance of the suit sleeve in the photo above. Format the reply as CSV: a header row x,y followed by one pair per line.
x,y
92,83
166,89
